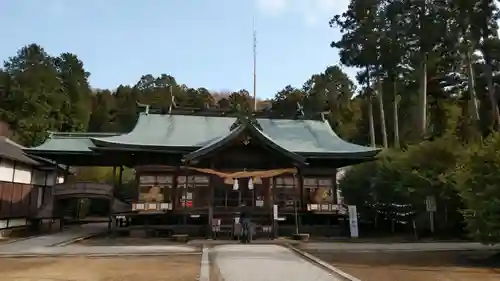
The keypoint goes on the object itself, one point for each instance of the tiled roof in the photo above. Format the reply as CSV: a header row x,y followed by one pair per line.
x,y
13,151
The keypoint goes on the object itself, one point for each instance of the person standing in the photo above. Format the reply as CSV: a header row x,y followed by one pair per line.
x,y
245,221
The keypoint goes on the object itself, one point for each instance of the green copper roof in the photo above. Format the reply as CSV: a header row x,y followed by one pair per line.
x,y
307,137
68,142
247,126
156,130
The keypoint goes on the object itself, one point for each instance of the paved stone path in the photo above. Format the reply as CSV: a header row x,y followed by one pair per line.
x,y
41,245
374,247
72,232
265,263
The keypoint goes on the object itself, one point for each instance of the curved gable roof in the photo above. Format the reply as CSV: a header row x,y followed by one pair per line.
x,y
310,137
235,133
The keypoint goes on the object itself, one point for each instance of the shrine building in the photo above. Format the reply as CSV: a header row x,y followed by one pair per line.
x,y
195,169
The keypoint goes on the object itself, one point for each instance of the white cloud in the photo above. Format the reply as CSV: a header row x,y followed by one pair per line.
x,y
312,12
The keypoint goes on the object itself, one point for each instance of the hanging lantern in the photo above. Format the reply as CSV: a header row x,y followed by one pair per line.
x,y
257,180
235,184
250,183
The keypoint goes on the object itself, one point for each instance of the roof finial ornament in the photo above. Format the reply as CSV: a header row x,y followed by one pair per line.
x,y
145,106
173,104
299,112
323,115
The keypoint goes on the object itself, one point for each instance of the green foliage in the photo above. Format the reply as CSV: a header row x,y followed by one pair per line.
x,y
94,174
403,179
477,180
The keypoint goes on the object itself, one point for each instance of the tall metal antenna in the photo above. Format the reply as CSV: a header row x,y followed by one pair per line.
x,y
254,66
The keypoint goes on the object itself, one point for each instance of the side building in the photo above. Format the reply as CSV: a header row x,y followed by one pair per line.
x,y
25,183
195,170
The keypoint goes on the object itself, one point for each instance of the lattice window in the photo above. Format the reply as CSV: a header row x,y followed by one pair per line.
x,y
285,192
155,188
191,190
147,179
319,190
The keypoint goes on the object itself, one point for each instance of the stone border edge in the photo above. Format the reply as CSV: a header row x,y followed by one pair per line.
x,y
204,265
322,263
214,270
74,240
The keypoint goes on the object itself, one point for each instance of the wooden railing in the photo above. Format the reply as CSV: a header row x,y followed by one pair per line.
x,y
90,188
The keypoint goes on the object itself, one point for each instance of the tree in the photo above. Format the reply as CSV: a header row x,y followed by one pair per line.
x,y
125,100
358,47
33,103
330,91
485,18
477,181
103,117
240,101
75,85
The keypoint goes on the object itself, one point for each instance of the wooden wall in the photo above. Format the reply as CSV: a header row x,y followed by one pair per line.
x,y
18,200
21,191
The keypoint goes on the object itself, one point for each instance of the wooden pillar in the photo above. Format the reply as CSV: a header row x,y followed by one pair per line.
x,y
210,221
184,192
65,174
120,178
268,197
335,187
210,202
114,177
301,205
110,220
175,183
274,223
225,197
116,185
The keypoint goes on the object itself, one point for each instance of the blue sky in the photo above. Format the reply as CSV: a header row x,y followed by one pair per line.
x,y
202,43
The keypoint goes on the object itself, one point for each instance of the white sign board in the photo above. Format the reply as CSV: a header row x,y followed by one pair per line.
x,y
275,212
353,220
430,204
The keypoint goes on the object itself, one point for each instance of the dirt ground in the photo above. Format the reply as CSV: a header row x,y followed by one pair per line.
x,y
172,268
416,266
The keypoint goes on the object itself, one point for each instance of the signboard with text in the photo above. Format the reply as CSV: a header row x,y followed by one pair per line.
x,y
353,221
